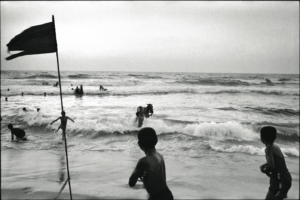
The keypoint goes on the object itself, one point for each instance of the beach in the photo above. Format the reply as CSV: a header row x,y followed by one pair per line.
x,y
104,175
208,77
207,125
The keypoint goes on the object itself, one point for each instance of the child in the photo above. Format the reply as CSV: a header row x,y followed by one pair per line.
x,y
151,168
275,168
63,125
19,133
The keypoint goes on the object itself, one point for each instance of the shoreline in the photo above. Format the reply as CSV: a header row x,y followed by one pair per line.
x,y
40,174
27,193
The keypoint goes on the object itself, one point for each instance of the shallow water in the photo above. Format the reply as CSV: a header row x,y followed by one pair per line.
x,y
209,120
195,112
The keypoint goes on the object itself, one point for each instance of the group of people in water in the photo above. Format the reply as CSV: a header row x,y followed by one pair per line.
x,y
151,169
78,90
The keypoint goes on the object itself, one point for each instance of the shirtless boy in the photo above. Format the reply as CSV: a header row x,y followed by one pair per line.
x,y
63,124
19,133
151,169
275,168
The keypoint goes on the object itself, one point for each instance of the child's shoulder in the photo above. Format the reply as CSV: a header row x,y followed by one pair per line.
x,y
143,161
273,148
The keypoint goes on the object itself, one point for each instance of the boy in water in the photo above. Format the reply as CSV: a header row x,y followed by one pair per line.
x,y
63,125
275,168
19,133
151,168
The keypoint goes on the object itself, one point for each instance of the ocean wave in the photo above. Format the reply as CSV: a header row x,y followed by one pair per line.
x,y
290,152
126,124
274,111
79,76
212,81
249,149
239,148
39,76
146,76
222,131
227,108
285,79
257,91
137,75
285,131
274,92
223,91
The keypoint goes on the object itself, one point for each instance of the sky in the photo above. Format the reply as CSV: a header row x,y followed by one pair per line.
x,y
159,36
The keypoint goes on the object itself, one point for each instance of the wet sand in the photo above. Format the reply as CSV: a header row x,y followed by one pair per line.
x,y
39,174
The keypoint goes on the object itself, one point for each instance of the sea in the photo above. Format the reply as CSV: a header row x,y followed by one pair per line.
x,y
195,114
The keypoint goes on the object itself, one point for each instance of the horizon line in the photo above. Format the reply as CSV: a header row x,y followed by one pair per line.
x,y
150,71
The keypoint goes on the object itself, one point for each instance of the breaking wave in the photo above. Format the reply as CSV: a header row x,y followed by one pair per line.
x,y
249,149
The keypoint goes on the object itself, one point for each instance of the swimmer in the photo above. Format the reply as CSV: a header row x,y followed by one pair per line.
x,y
63,125
19,133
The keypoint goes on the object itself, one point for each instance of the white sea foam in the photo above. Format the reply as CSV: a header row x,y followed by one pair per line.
x,y
239,148
221,131
122,123
249,149
290,151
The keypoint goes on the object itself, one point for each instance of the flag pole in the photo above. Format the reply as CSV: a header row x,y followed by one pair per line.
x,y
62,109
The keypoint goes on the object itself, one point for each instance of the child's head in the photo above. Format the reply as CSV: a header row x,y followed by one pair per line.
x,y
147,137
63,113
10,126
268,134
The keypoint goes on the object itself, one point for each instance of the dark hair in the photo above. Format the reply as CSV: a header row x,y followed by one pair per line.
x,y
268,134
63,113
147,137
10,126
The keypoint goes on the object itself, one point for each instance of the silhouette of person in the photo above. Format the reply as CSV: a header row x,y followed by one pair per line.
x,y
19,133
63,125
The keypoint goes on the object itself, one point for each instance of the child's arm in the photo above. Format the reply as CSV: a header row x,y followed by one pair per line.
x,y
137,172
70,119
269,156
55,120
164,166
12,136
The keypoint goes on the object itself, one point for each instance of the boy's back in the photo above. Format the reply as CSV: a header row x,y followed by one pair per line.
x,y
151,168
275,168
278,159
155,180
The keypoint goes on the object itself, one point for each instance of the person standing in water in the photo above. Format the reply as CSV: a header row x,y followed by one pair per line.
x,y
19,133
275,168
151,169
63,124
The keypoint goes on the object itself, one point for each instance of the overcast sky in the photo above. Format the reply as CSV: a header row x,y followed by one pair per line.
x,y
160,36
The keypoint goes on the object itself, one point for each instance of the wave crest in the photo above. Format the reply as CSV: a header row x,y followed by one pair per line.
x,y
222,131
249,149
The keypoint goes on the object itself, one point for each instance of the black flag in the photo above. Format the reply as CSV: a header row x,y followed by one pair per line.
x,y
34,40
